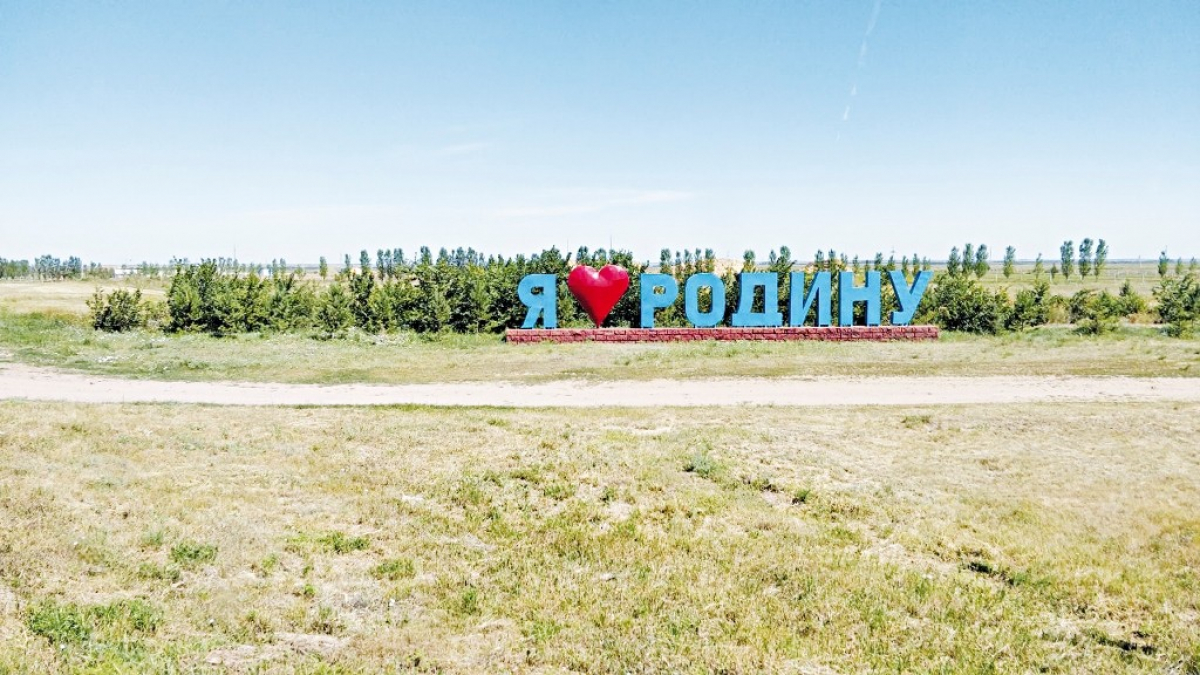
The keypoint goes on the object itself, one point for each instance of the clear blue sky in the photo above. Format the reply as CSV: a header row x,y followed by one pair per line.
x,y
133,131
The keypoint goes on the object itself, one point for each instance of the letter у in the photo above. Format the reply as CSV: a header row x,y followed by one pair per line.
x,y
909,298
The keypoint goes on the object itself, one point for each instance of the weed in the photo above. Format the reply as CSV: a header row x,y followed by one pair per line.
x,y
169,573
338,542
71,624
60,624
704,465
193,554
394,570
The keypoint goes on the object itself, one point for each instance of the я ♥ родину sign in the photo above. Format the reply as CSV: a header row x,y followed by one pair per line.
x,y
599,291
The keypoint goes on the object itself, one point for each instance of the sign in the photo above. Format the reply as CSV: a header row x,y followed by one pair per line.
x,y
598,291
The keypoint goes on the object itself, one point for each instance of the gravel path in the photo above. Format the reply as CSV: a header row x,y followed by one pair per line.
x,y
43,384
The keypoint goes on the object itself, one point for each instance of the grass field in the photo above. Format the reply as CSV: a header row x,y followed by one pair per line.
x,y
994,539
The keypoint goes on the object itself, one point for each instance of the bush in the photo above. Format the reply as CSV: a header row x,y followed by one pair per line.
x,y
119,311
960,303
1095,313
1131,302
1179,304
1031,307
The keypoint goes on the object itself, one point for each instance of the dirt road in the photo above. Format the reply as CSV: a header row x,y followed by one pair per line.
x,y
43,384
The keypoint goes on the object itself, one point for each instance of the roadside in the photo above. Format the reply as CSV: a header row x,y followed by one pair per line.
x,y
19,381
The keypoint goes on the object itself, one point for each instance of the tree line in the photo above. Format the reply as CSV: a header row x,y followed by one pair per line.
x,y
464,291
48,267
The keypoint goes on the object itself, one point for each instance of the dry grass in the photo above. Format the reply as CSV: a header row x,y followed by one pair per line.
x,y
65,297
960,539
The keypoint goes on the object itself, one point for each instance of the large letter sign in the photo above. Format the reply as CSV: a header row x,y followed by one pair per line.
x,y
821,292
544,305
848,294
599,291
652,300
908,298
691,299
770,316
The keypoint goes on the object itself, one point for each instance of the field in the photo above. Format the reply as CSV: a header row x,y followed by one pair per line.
x,y
951,539
1001,538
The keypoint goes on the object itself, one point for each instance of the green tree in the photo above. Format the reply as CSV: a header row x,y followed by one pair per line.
x,y
1054,272
981,261
954,262
323,268
1163,261
664,262
1101,258
1067,255
1010,259
333,313
1039,267
1085,257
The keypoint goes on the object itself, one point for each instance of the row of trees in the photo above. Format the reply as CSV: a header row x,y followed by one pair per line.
x,y
1164,265
1093,258
48,267
452,292
464,291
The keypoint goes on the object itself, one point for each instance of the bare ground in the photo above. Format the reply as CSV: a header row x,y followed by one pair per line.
x,y
45,384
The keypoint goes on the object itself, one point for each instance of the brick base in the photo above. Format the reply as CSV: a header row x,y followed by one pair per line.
x,y
833,333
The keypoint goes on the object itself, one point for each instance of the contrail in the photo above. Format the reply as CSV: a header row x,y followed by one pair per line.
x,y
862,60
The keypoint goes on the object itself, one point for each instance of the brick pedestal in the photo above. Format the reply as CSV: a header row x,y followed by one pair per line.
x,y
831,333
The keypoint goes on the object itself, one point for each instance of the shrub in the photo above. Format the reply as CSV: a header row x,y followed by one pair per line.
x,y
960,303
1031,307
1094,313
119,311
1131,302
1179,304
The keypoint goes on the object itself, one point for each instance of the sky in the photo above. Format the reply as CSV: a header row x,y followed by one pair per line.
x,y
135,131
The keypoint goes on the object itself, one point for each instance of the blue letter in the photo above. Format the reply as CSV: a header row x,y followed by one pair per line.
x,y
652,300
820,292
909,298
848,294
770,316
691,299
544,304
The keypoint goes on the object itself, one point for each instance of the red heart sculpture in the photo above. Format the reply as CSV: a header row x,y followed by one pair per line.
x,y
598,292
